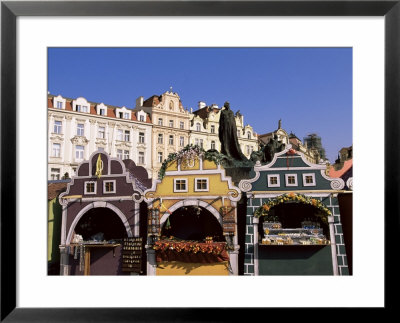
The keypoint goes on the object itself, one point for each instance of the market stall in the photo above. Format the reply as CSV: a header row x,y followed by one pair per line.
x,y
293,224
192,218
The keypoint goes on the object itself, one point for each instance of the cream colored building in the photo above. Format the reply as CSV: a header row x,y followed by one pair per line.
x,y
204,125
311,154
77,128
170,132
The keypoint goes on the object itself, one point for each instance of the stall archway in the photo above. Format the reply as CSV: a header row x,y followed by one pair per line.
x,y
295,215
99,205
192,222
198,203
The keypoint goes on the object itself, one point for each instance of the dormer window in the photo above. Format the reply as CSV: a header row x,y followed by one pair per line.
x,y
101,109
59,102
248,135
80,105
123,113
81,108
198,126
141,116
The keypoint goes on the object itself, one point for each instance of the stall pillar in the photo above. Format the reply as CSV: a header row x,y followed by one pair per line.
x,y
255,246
64,261
234,260
151,261
333,245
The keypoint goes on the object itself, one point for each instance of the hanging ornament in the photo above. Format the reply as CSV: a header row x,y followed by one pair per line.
x,y
168,224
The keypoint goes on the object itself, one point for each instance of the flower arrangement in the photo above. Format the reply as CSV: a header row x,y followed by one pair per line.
x,y
187,156
264,209
190,247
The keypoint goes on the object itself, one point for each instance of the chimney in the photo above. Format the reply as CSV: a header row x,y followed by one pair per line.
x,y
201,104
139,101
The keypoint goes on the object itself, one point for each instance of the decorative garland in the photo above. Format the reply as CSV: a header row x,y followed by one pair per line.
x,y
188,155
264,209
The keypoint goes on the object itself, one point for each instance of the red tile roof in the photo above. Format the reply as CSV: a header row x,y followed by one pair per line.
x,y
110,109
340,172
203,112
152,101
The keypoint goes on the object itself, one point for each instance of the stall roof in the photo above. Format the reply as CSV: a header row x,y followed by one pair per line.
x,y
55,188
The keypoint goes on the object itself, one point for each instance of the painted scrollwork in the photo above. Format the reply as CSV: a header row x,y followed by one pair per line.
x,y
245,186
337,184
137,196
234,195
349,183
150,196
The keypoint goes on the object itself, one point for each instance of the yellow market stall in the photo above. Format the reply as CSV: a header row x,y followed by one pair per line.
x,y
192,218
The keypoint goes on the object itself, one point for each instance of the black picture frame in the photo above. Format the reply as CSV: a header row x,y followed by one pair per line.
x,y
10,10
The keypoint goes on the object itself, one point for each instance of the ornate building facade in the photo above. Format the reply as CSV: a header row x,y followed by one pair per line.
x,y
170,131
147,134
77,128
204,125
311,155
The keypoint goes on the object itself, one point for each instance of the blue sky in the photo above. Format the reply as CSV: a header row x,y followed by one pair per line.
x,y
310,89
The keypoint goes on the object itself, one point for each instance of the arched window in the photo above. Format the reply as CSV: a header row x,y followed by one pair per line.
x,y
248,135
198,126
160,138
213,144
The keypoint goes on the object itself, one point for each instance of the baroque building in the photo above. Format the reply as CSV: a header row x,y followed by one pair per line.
x,y
77,128
204,126
170,131
312,155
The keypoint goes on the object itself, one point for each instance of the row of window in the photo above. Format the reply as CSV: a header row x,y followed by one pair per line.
x,y
100,110
80,150
200,185
171,123
291,180
122,135
160,140
109,187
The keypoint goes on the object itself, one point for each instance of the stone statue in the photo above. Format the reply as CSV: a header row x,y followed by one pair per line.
x,y
271,148
228,135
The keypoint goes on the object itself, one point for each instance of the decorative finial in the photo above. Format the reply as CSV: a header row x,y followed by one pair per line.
x,y
170,88
280,124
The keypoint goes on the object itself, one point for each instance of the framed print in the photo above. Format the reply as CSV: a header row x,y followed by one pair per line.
x,y
30,28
